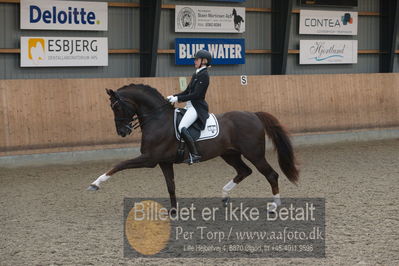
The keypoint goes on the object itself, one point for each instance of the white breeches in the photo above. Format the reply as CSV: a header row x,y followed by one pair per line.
x,y
189,117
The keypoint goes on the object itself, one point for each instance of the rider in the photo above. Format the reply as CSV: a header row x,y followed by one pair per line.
x,y
196,106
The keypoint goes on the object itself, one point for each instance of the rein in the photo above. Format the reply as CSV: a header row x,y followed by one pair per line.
x,y
150,114
145,116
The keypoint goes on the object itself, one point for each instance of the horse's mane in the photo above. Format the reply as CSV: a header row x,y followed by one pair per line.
x,y
143,89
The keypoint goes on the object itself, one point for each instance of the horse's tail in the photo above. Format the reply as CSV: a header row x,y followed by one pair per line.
x,y
282,144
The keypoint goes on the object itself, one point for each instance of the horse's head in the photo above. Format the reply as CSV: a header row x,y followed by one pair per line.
x,y
234,12
124,112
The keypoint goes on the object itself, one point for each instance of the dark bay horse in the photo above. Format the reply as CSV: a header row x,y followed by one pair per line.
x,y
241,134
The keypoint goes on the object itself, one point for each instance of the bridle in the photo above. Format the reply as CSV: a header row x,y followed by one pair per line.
x,y
132,114
129,118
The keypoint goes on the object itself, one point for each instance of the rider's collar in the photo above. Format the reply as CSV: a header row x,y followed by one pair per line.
x,y
199,69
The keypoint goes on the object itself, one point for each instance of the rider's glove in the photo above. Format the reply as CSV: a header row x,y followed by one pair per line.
x,y
172,99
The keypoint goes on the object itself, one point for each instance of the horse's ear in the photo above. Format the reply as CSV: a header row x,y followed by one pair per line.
x,y
110,92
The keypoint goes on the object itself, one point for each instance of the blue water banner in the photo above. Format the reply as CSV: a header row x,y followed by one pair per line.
x,y
223,51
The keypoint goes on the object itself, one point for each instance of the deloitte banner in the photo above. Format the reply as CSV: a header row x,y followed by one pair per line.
x,y
328,22
223,51
328,52
64,15
63,51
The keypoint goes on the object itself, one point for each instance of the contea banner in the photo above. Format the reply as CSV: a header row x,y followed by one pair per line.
x,y
64,15
328,52
223,51
63,51
328,22
209,19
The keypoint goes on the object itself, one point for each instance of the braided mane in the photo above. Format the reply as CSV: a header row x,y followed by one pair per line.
x,y
143,89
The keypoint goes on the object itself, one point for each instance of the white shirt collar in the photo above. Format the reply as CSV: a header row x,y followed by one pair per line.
x,y
199,69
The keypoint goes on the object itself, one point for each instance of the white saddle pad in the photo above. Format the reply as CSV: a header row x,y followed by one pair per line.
x,y
211,128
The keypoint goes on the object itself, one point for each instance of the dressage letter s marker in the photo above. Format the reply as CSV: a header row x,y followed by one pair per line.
x,y
244,80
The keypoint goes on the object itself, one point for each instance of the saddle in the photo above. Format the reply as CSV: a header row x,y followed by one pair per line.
x,y
211,131
211,128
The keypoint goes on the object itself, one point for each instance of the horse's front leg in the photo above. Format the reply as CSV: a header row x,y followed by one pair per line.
x,y
167,170
139,162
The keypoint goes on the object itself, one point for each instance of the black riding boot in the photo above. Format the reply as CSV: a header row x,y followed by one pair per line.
x,y
194,156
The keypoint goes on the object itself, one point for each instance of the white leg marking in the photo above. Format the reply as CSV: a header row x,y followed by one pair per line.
x,y
276,199
229,186
271,206
102,178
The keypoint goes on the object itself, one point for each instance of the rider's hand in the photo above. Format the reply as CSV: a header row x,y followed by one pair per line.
x,y
172,99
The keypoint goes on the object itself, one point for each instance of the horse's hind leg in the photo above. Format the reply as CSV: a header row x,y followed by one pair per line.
x,y
265,169
234,159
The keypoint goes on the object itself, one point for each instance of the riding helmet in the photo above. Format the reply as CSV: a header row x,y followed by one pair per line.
x,y
204,54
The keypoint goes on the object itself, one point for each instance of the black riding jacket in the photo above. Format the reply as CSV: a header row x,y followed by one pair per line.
x,y
195,92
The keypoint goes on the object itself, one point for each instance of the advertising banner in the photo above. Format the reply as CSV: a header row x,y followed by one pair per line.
x,y
209,19
328,52
64,15
223,51
328,22
63,51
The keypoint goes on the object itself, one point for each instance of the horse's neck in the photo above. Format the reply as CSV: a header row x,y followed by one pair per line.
x,y
161,119
145,103
151,111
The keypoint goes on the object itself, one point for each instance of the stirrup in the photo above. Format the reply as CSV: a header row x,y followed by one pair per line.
x,y
193,158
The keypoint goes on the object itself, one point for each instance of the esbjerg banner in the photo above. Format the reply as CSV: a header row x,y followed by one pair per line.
x,y
328,52
328,22
209,19
223,51
64,15
63,51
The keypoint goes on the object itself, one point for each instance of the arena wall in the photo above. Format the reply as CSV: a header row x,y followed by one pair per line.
x,y
56,115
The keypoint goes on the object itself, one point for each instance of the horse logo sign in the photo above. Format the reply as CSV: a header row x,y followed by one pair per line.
x,y
209,19
186,18
237,20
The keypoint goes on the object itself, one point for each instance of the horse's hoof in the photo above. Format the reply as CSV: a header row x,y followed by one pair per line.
x,y
226,201
272,207
172,212
93,188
